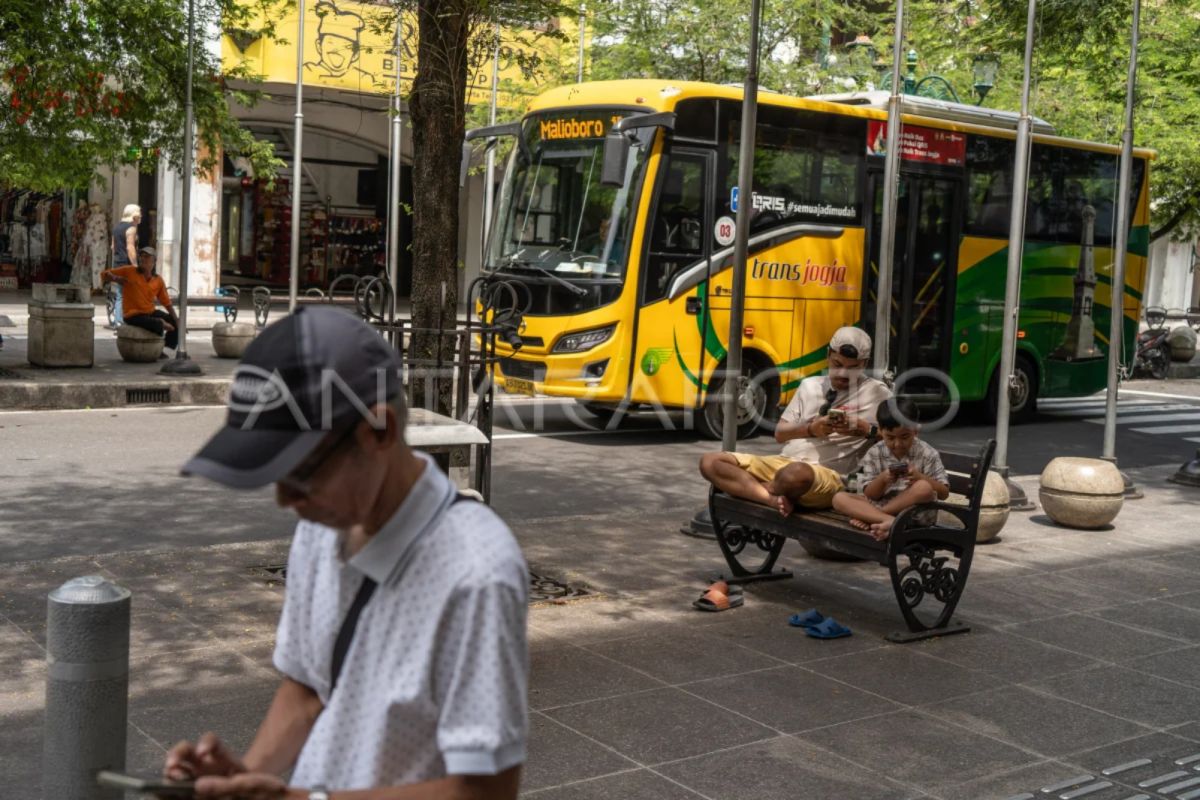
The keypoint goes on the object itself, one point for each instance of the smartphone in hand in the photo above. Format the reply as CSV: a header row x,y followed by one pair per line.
x,y
159,787
837,416
898,470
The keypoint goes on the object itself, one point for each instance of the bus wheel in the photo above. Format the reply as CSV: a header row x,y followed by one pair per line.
x,y
1022,396
758,396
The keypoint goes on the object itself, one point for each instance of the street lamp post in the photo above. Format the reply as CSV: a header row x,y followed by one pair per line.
x,y
983,69
181,364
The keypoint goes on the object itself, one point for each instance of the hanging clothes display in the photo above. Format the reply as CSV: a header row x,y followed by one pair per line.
x,y
93,251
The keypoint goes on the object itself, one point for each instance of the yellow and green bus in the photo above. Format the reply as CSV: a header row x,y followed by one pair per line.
x,y
627,259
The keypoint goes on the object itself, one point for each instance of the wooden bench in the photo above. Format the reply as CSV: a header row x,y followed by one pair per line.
x,y
928,564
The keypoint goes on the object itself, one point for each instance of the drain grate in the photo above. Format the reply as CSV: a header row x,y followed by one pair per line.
x,y
9,374
1163,778
135,396
542,589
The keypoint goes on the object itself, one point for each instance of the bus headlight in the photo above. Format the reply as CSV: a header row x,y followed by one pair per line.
x,y
583,340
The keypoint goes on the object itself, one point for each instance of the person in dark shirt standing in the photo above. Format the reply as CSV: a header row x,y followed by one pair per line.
x,y
124,246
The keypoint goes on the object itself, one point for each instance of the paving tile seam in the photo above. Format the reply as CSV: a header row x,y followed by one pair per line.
x,y
25,633
591,739
726,644
580,782
836,679
149,738
1052,695
1164,634
925,711
1015,631
1151,675
1006,682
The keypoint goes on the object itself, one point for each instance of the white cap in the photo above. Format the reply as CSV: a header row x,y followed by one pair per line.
x,y
857,338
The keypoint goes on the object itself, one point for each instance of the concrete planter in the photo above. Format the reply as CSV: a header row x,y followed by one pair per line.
x,y
230,339
138,345
1081,492
993,509
1182,341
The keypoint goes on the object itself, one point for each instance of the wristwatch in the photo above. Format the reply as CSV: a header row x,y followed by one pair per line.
x,y
318,793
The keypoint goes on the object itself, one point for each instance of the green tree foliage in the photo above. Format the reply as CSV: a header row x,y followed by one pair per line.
x,y
1079,69
86,84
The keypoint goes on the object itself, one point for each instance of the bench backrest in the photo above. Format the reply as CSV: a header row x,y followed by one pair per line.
x,y
968,474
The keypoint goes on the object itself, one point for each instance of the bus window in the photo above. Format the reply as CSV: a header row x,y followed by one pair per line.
x,y
807,166
677,234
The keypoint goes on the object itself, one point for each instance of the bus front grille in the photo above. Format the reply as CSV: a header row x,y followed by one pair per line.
x,y
524,370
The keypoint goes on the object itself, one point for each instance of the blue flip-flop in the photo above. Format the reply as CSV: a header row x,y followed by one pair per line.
x,y
829,628
806,619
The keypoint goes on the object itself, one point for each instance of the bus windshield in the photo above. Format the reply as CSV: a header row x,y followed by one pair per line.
x,y
554,215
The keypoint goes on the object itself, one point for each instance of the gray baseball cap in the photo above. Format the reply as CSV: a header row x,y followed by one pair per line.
x,y
316,370
850,337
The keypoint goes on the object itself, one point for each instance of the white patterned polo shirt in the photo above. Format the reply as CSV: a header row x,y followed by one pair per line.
x,y
434,682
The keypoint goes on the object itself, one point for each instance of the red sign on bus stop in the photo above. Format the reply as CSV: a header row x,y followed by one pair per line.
x,y
927,145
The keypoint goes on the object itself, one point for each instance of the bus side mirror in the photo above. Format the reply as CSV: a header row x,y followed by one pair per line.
x,y
465,165
616,159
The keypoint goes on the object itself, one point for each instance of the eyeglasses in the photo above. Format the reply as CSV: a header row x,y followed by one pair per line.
x,y
299,480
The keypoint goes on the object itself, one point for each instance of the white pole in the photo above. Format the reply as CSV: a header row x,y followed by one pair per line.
x,y
1016,245
891,192
297,158
1116,337
396,156
489,189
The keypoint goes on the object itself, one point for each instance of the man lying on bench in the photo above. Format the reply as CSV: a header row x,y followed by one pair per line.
x,y
828,425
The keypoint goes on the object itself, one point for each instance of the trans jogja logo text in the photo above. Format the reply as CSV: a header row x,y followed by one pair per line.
x,y
808,272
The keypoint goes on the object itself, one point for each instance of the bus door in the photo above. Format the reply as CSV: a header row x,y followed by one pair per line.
x,y
669,351
923,276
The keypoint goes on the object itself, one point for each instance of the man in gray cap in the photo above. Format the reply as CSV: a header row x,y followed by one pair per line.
x,y
825,429
402,641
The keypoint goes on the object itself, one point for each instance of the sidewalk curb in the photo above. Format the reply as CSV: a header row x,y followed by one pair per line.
x,y
24,395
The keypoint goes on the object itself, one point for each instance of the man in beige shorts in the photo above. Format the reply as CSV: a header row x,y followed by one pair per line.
x,y
825,429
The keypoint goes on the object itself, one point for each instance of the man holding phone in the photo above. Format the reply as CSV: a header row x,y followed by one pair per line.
x,y
402,644
825,429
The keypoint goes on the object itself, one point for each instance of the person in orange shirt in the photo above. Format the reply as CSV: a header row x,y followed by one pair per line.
x,y
141,286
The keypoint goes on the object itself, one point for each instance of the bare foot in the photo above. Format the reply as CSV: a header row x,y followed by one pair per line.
x,y
882,530
858,523
782,504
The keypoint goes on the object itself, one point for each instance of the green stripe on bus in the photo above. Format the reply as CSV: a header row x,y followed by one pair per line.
x,y
683,366
712,342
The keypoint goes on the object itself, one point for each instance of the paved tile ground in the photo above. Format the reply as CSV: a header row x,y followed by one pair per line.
x,y
1084,655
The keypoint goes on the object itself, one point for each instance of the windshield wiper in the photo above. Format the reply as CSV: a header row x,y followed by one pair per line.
x,y
578,291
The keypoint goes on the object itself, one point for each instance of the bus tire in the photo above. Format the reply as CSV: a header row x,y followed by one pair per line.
x,y
1023,397
757,410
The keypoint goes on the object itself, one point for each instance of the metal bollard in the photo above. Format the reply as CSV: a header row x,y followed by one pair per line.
x,y
87,687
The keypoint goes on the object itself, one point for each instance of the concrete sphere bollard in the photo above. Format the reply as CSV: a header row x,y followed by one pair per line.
x,y
1082,492
230,339
993,509
138,345
1182,341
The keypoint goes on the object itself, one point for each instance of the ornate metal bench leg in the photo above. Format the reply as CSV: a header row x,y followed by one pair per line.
x,y
733,539
923,571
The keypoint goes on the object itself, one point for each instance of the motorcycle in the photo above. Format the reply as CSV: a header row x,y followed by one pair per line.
x,y
1153,356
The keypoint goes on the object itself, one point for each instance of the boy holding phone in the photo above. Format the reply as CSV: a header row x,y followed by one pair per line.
x,y
899,472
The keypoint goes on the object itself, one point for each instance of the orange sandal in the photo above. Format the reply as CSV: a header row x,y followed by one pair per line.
x,y
720,597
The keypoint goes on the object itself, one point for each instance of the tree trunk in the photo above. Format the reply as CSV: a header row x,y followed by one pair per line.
x,y
437,106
